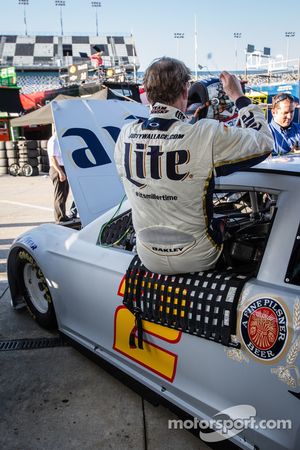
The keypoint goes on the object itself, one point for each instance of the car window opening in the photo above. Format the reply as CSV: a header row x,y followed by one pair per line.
x,y
247,215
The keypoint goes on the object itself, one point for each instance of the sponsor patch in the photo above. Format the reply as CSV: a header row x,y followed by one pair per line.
x,y
264,328
27,240
159,109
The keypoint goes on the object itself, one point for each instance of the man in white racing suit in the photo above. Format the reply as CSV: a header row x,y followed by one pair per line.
x,y
168,167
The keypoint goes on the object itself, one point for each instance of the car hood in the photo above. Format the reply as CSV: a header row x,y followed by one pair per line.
x,y
87,131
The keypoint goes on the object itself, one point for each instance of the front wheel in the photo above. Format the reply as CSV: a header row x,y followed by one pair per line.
x,y
35,290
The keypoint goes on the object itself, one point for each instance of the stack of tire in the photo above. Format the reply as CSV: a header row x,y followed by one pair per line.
x,y
12,152
43,158
3,159
28,154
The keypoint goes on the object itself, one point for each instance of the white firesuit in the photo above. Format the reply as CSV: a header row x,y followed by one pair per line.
x,y
168,166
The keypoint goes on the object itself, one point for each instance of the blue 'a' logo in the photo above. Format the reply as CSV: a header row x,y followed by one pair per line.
x,y
82,156
93,154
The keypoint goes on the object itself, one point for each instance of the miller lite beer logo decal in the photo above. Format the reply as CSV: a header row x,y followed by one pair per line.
x,y
264,329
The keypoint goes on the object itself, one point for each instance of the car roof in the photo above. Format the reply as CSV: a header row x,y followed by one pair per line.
x,y
284,164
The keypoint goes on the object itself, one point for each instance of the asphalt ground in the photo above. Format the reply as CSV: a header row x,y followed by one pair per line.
x,y
56,398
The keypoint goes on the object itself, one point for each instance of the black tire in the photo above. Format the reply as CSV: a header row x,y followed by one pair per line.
x,y
35,171
33,153
43,152
14,170
35,290
27,170
45,168
31,145
33,162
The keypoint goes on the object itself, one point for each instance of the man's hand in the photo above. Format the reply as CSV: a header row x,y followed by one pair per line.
x,y
62,176
295,148
231,85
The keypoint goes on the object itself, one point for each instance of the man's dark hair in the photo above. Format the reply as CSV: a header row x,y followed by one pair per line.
x,y
165,79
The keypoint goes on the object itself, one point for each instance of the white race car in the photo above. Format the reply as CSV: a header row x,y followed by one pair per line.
x,y
223,343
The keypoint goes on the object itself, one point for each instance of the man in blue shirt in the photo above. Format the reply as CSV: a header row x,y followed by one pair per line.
x,y
286,134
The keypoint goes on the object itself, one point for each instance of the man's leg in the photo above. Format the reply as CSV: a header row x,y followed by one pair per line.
x,y
61,190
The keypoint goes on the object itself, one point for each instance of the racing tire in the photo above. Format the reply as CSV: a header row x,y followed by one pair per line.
x,y
32,145
13,170
35,290
45,168
11,161
32,153
27,170
12,153
44,144
35,171
3,162
33,162
11,145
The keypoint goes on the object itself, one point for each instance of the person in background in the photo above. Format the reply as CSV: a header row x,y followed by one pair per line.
x,y
286,133
168,166
60,182
96,59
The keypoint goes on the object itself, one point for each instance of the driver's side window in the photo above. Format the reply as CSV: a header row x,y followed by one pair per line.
x,y
248,217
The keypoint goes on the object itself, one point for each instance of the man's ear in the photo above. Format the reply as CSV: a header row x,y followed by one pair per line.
x,y
185,93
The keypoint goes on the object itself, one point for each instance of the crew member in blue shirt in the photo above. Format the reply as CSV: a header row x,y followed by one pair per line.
x,y
286,133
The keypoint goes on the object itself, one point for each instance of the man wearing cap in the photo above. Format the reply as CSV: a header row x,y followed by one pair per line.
x,y
168,167
285,132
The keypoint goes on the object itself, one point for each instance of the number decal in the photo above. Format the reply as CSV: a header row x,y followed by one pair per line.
x,y
153,357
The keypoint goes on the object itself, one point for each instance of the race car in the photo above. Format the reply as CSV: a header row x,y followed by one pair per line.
x,y
222,346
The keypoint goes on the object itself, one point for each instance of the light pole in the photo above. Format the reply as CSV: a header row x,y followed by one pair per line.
x,y
61,3
196,49
236,36
288,34
96,5
178,36
25,3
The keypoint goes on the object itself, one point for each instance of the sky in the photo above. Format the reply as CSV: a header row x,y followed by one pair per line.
x,y
262,23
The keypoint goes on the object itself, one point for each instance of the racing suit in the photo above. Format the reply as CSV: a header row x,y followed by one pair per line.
x,y
168,167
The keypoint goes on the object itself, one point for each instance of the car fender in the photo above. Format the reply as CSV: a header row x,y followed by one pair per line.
x,y
36,242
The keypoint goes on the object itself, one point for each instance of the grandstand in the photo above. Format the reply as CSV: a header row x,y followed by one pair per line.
x,y
40,60
30,82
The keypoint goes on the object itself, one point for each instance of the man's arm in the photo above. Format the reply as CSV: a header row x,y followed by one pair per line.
x,y
231,85
235,148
